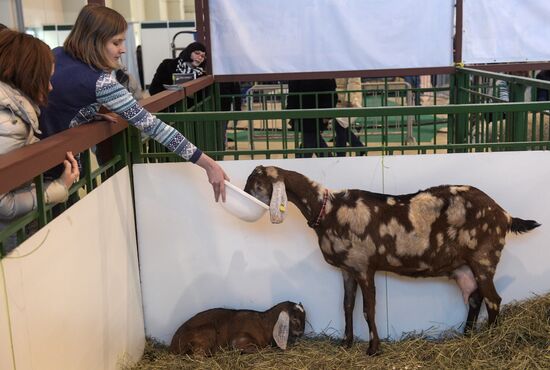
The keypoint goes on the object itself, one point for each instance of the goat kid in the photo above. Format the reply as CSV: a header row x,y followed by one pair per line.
x,y
244,330
454,231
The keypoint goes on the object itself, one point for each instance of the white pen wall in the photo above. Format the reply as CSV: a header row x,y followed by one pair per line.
x,y
195,256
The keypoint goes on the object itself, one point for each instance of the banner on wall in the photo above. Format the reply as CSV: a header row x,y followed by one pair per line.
x,y
284,36
499,31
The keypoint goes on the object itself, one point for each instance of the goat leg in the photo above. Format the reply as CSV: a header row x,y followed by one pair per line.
x,y
484,276
474,305
245,343
369,303
350,289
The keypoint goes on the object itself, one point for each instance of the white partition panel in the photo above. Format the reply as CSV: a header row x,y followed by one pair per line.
x,y
515,180
72,294
156,38
211,259
155,46
506,31
195,256
329,35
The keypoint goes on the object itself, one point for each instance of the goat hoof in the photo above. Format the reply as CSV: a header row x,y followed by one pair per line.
x,y
373,350
346,343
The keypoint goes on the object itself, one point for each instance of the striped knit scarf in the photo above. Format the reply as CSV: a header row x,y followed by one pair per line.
x,y
188,68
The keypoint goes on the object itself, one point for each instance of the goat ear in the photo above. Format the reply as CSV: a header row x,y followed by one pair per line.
x,y
279,202
280,330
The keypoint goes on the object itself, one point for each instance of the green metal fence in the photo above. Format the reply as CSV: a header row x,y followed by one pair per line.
x,y
468,115
500,126
91,177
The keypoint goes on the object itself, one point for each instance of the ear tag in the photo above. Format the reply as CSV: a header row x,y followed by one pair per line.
x,y
278,204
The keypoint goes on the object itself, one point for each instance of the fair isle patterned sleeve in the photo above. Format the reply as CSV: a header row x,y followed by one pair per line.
x,y
117,99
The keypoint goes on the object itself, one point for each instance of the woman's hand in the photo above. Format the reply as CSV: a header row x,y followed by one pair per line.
x,y
71,172
216,175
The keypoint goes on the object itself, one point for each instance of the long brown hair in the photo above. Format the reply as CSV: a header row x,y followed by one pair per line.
x,y
94,27
26,64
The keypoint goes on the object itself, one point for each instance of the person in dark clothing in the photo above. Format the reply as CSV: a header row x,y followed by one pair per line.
x,y
139,56
311,128
542,94
228,103
230,88
414,81
192,60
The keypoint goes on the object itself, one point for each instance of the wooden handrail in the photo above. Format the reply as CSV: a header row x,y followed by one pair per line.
x,y
192,87
22,165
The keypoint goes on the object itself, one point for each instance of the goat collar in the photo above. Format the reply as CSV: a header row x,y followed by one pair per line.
x,y
313,225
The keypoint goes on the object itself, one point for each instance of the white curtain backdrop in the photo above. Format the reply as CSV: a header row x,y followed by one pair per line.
x,y
265,36
497,31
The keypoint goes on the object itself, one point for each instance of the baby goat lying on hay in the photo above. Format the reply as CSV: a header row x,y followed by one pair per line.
x,y
454,231
245,330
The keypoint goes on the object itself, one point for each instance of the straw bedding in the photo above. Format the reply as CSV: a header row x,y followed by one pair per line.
x,y
521,340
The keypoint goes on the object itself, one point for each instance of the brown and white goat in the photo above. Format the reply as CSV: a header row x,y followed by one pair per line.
x,y
244,330
453,231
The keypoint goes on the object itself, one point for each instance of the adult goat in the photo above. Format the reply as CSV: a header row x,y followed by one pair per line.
x,y
453,231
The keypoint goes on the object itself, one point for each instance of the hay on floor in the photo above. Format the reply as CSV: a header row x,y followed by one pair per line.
x,y
521,340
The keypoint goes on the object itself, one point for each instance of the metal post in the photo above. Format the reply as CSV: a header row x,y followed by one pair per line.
x,y
40,200
517,125
19,15
461,124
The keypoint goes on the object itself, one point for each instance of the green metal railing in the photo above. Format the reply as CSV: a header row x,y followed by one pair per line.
x,y
206,135
482,87
91,177
468,116
456,137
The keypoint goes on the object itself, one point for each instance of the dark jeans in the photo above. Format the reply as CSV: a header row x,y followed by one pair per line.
x,y
415,84
311,130
310,141
542,95
343,135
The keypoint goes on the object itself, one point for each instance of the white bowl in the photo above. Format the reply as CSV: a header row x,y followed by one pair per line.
x,y
241,204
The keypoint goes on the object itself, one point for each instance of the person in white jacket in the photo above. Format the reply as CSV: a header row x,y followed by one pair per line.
x,y
350,95
25,68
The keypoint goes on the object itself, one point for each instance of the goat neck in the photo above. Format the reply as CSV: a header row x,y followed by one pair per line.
x,y
308,196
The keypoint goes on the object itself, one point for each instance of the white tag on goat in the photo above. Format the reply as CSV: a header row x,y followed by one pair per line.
x,y
279,202
280,330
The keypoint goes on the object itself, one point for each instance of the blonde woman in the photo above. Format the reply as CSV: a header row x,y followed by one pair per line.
x,y
84,82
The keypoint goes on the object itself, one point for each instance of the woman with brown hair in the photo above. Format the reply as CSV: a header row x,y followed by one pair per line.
x,y
26,65
83,82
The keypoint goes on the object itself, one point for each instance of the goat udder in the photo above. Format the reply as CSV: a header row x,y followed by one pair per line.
x,y
466,282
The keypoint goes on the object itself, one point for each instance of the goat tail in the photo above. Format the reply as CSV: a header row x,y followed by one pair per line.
x,y
520,226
